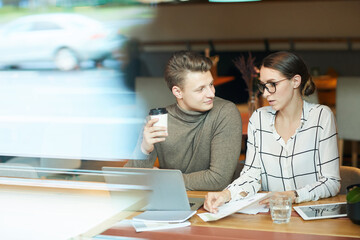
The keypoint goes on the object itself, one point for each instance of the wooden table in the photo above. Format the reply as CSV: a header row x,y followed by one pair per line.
x,y
260,226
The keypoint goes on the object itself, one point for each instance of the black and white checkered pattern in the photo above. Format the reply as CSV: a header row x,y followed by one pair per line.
x,y
308,162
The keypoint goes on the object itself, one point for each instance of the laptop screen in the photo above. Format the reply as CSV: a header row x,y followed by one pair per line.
x,y
168,188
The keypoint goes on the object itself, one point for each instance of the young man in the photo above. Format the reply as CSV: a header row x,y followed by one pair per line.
x,y
203,138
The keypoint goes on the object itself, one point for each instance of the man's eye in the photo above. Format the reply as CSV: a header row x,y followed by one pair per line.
x,y
273,84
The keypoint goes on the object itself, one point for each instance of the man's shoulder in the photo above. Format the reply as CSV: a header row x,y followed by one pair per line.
x,y
224,109
220,103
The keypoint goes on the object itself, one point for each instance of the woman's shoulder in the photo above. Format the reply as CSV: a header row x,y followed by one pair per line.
x,y
317,109
317,114
266,112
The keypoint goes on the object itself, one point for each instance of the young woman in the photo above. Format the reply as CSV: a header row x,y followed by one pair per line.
x,y
292,144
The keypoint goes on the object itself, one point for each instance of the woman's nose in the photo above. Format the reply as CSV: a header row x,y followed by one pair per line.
x,y
265,93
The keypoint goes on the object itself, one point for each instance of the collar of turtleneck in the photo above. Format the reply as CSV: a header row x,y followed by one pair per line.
x,y
187,116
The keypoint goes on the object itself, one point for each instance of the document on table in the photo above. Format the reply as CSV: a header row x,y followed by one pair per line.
x,y
255,209
164,216
232,207
141,226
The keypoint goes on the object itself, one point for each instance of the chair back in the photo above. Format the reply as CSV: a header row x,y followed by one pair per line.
x,y
349,176
348,107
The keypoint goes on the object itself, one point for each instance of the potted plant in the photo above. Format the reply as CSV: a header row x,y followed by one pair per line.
x,y
353,203
250,74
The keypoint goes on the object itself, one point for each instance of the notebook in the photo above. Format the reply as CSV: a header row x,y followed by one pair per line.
x,y
168,191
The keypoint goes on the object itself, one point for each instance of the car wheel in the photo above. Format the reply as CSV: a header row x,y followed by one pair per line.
x,y
66,60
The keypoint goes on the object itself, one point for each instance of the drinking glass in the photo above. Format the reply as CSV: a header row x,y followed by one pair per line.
x,y
280,208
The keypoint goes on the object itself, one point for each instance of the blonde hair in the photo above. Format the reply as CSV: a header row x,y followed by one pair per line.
x,y
183,62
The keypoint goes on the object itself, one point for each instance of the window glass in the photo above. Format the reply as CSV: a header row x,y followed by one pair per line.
x,y
68,100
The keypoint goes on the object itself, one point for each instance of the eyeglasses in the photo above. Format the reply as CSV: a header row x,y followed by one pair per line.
x,y
270,86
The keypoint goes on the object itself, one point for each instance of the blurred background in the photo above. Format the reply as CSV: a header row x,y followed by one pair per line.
x,y
77,78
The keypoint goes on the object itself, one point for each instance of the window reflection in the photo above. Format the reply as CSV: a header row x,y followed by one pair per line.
x,y
67,92
53,209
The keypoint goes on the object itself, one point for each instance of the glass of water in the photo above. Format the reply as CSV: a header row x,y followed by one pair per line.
x,y
280,208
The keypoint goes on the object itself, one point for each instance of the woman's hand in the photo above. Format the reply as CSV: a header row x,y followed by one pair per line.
x,y
290,194
286,193
213,200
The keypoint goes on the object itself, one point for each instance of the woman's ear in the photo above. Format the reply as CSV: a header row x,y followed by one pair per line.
x,y
177,92
297,80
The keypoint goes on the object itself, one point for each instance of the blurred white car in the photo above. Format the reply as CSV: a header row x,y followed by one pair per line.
x,y
65,38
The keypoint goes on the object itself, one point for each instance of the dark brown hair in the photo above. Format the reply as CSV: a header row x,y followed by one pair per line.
x,y
183,62
290,64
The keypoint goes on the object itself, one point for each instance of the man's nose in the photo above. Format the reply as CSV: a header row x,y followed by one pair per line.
x,y
210,92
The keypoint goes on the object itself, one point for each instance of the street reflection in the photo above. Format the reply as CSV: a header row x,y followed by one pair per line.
x,y
88,115
67,96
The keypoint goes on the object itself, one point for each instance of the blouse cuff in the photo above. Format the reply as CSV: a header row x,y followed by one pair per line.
x,y
303,195
235,193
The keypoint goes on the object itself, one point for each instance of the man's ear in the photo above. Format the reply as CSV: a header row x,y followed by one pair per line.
x,y
177,92
297,80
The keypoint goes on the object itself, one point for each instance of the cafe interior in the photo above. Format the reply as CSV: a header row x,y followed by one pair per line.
x,y
51,164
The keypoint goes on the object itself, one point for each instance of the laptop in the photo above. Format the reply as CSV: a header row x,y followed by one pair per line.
x,y
168,190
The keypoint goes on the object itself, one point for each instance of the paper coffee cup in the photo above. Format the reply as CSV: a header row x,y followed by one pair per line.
x,y
161,114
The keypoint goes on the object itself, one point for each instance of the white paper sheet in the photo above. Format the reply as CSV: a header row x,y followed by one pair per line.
x,y
255,209
232,207
141,226
164,216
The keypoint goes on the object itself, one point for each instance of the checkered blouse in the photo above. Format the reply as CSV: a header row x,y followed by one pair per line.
x,y
308,162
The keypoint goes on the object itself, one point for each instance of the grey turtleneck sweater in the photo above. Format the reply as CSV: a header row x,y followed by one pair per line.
x,y
205,146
